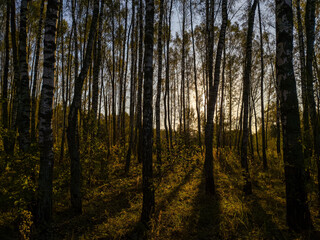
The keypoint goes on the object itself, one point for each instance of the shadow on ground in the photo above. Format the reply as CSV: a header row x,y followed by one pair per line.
x,y
204,220
97,213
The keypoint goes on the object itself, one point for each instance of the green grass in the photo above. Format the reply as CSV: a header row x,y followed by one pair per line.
x,y
112,202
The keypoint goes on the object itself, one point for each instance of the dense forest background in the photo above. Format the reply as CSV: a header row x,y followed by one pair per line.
x,y
166,119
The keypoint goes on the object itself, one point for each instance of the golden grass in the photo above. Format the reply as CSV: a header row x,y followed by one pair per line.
x,y
112,204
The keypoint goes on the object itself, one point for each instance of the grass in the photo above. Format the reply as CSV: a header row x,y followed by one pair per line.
x,y
112,204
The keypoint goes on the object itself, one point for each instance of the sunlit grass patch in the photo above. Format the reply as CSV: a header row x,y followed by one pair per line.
x,y
112,200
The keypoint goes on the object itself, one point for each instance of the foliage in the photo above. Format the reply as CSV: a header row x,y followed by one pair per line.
x,y
18,183
112,201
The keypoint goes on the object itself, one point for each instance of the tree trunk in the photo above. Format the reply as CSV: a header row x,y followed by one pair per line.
x,y
66,97
277,104
92,113
5,122
72,133
96,71
307,146
16,82
264,156
121,72
139,136
213,92
230,102
310,32
123,121
24,95
158,140
132,89
63,80
147,172
195,79
298,215
268,111
44,213
183,103
35,77
278,127
114,138
221,111
315,63
166,91
256,126
238,139
250,131
166,98
245,100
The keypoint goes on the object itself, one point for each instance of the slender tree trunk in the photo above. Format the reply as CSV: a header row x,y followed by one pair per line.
x,y
96,71
245,100
16,82
180,106
213,92
85,30
139,134
75,36
65,95
298,215
307,150
121,72
183,103
72,133
278,127
113,79
238,140
175,93
123,123
147,171
277,104
315,63
168,77
268,112
221,119
44,213
255,125
165,95
158,139
63,80
188,67
250,131
24,95
310,32
35,77
5,121
230,102
264,156
195,78
132,90
100,101
168,113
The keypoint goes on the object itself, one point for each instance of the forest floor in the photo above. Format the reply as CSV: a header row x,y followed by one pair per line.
x,y
111,207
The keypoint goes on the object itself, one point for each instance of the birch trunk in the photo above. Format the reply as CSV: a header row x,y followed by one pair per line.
x,y
147,171
213,93
44,213
298,215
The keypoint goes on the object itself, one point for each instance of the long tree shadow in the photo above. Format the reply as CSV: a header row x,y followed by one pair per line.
x,y
263,220
139,231
97,213
173,194
204,221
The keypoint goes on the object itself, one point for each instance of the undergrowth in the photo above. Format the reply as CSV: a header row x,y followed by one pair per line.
x,y
112,200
